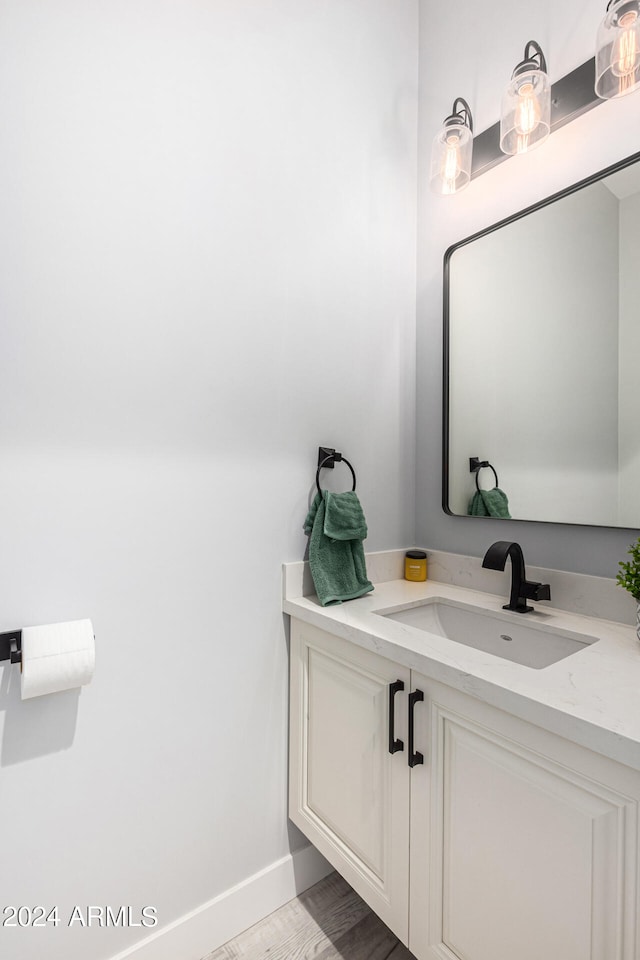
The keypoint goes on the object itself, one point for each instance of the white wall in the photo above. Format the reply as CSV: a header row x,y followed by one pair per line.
x,y
207,269
472,55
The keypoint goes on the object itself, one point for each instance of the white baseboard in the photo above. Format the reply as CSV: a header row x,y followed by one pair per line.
x,y
200,932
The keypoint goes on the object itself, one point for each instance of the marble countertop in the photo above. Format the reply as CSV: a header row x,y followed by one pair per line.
x,y
591,697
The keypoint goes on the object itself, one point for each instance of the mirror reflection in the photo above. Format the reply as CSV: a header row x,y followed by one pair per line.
x,y
542,339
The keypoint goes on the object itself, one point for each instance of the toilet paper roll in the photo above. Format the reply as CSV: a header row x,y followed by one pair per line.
x,y
55,657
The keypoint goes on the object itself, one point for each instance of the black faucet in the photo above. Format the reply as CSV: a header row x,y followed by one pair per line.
x,y
521,589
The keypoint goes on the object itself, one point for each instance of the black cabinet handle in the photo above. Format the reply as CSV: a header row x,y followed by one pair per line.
x,y
394,744
415,757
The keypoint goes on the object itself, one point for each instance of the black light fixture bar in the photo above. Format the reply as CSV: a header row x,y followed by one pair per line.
x,y
571,96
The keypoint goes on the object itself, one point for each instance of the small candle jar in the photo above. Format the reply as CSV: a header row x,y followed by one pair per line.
x,y
415,565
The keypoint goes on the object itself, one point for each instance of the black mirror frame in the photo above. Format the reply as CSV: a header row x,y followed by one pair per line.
x,y
587,181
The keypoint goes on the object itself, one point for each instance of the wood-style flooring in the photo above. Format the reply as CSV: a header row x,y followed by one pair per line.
x,y
327,922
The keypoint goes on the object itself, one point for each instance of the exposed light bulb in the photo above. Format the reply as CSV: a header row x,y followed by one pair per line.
x,y
451,153
528,110
624,55
618,50
451,165
525,117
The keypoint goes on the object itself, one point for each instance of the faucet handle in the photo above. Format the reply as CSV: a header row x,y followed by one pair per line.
x,y
535,591
543,592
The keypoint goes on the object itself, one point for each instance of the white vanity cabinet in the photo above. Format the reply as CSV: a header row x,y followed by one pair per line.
x,y
523,845
347,793
506,842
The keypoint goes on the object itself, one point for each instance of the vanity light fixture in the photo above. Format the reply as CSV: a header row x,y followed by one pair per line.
x,y
618,50
571,96
525,120
452,150
533,108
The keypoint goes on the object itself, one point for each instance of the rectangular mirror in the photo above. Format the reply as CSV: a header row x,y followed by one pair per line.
x,y
542,344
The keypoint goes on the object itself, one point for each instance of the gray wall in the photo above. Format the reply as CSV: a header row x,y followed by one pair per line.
x,y
486,51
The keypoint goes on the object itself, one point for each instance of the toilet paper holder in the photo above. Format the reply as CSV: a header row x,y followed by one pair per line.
x,y
11,646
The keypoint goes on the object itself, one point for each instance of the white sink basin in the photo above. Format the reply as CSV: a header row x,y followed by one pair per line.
x,y
511,636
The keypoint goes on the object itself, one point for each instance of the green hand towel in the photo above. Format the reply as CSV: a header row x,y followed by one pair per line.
x,y
343,516
489,503
337,527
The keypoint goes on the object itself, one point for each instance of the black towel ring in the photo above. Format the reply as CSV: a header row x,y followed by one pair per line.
x,y
485,463
336,457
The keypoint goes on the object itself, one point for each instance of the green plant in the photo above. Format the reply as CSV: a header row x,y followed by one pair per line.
x,y
629,576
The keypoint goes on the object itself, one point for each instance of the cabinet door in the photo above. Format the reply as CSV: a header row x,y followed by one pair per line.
x,y
523,845
347,792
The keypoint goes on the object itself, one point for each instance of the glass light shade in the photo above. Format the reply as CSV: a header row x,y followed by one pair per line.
x,y
525,121
451,158
618,50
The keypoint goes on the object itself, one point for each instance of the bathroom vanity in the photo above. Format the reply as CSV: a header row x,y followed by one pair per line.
x,y
484,808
